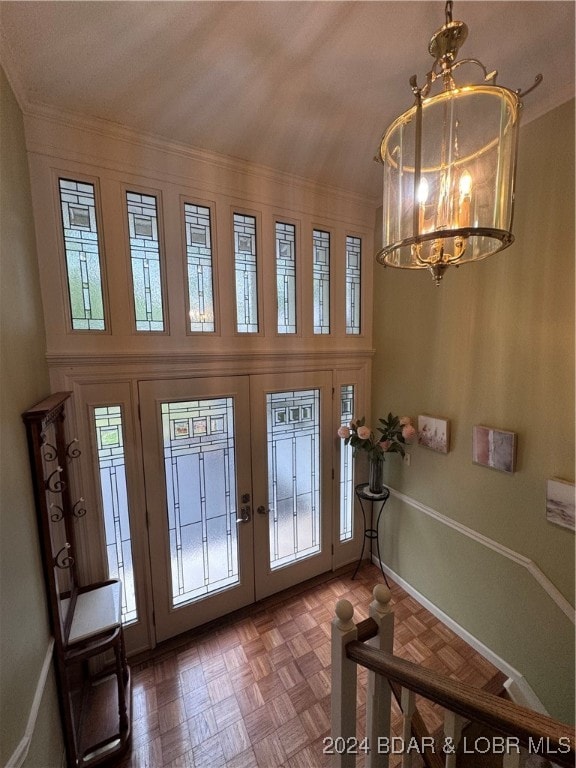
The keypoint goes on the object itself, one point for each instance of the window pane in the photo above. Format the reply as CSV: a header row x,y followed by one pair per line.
x,y
353,256
293,436
199,261
321,281
145,259
199,461
112,466
286,277
78,207
246,276
346,466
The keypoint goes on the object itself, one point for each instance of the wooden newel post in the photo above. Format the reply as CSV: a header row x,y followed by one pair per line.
x,y
343,686
378,697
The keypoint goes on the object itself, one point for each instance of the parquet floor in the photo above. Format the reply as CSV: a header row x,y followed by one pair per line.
x,y
253,689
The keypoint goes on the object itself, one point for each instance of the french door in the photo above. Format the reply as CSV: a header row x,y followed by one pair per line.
x,y
238,490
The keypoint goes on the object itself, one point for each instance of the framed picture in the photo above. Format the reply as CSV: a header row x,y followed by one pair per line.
x,y
494,448
434,433
560,502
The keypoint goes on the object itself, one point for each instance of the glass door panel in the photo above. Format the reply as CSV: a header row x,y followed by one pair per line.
x,y
199,463
196,440
293,436
292,493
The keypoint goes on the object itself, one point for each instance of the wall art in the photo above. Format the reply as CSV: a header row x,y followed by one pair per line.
x,y
560,502
494,448
434,433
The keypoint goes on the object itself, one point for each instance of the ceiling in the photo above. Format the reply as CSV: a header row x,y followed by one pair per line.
x,y
302,87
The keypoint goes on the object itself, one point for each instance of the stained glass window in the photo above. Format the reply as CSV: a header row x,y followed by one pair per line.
x,y
293,437
199,262
78,206
246,274
286,277
145,260
321,280
112,466
346,466
353,257
199,461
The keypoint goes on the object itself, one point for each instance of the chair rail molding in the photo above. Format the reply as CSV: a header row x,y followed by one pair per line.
x,y
517,686
551,590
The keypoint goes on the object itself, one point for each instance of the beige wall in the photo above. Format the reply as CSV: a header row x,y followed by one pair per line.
x,y
24,630
493,345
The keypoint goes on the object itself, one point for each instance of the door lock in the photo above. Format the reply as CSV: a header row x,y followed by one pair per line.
x,y
245,515
262,510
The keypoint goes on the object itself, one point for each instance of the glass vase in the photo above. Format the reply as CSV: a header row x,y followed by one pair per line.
x,y
375,465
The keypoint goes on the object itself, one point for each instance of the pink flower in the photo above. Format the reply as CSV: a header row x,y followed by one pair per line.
x,y
405,420
343,432
385,444
364,433
408,432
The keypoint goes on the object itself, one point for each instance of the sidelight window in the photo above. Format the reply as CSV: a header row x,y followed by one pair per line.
x,y
346,466
114,494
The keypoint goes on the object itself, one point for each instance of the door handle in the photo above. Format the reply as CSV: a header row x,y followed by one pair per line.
x,y
245,516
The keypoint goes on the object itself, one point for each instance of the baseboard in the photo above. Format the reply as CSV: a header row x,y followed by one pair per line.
x,y
517,687
21,751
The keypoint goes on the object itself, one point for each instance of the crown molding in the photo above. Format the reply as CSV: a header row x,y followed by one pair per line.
x,y
121,133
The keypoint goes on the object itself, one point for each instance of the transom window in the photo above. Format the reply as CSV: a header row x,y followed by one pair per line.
x,y
200,268
321,280
353,285
246,274
142,213
80,230
154,275
286,277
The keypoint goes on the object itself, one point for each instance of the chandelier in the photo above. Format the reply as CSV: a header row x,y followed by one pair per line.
x,y
449,166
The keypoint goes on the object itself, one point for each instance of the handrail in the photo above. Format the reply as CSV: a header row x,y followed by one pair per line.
x,y
532,729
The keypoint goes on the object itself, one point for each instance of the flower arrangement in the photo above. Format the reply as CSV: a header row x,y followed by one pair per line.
x,y
396,432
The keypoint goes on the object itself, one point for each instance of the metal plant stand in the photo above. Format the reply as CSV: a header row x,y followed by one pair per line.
x,y
371,532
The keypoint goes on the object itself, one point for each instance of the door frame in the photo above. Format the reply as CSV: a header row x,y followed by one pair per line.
x,y
108,373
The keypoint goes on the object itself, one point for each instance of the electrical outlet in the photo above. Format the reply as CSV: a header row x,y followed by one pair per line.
x,y
407,459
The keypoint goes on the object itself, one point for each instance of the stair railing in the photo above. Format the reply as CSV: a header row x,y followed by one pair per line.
x,y
369,644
